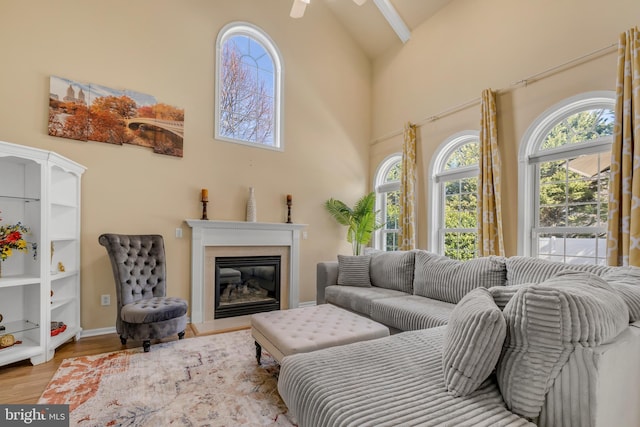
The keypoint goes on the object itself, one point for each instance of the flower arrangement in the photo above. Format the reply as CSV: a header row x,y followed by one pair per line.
x,y
12,238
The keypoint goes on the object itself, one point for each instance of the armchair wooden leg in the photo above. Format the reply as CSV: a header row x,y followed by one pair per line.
x,y
180,335
123,340
146,345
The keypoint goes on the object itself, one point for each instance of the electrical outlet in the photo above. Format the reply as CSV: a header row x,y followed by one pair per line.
x,y
105,299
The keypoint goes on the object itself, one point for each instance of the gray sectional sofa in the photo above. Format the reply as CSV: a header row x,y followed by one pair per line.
x,y
487,342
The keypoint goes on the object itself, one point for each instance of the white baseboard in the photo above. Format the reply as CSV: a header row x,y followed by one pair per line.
x,y
104,331
100,331
307,304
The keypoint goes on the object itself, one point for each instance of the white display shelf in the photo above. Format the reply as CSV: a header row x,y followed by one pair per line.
x,y
58,303
69,333
28,349
9,280
41,190
63,275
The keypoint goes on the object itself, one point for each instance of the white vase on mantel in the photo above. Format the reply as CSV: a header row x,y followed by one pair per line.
x,y
251,206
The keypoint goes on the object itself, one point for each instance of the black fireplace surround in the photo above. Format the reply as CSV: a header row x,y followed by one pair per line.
x,y
246,285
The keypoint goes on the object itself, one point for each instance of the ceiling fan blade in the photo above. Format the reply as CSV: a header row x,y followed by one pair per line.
x,y
298,7
359,2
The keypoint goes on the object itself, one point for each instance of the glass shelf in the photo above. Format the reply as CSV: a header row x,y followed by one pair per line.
x,y
26,199
18,326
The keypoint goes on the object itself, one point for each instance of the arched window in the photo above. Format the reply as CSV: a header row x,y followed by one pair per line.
x,y
387,188
564,181
454,204
248,87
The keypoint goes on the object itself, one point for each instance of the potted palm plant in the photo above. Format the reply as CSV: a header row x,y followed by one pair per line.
x,y
361,219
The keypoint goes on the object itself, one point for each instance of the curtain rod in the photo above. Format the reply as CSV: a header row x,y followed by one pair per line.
x,y
523,82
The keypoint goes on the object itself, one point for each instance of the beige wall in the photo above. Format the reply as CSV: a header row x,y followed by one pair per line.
x,y
472,45
166,48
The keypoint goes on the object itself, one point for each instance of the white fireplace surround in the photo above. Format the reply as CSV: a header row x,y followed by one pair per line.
x,y
206,233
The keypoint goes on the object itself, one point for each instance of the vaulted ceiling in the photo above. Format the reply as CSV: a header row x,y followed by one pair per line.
x,y
369,26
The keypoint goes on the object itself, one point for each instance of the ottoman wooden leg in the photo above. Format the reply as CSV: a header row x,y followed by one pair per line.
x,y
258,352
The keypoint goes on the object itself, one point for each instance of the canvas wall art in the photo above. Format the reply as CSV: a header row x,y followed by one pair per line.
x,y
91,112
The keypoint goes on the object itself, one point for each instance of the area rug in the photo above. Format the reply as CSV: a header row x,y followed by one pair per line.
x,y
204,381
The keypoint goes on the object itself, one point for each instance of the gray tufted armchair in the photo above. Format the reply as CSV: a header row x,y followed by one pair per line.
x,y
139,270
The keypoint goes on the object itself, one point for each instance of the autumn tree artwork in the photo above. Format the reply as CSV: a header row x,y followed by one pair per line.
x,y
91,112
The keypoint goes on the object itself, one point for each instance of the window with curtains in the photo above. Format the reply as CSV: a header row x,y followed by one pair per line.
x,y
453,222
387,188
248,87
564,180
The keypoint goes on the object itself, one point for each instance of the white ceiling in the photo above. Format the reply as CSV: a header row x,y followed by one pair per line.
x,y
371,30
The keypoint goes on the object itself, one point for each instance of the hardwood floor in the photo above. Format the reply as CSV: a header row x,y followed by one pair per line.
x,y
23,383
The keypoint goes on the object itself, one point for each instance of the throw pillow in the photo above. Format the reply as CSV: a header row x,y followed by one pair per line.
x,y
353,270
393,270
473,342
545,323
448,280
626,282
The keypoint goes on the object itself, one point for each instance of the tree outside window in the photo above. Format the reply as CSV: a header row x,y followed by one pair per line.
x,y
453,222
388,202
461,204
248,87
573,187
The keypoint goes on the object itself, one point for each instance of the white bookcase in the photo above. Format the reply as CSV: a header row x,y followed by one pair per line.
x,y
40,189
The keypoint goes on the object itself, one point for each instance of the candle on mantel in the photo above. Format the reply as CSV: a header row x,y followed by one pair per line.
x,y
289,198
205,195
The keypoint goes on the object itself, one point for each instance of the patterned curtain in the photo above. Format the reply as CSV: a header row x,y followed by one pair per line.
x,y
490,240
407,238
623,236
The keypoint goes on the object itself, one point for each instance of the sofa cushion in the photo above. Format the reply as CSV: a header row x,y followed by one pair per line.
x,y
392,270
354,270
152,310
356,298
521,269
411,312
626,281
545,322
473,342
448,280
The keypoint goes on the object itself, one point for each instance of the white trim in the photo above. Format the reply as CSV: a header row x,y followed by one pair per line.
x,y
86,333
436,167
308,304
529,155
592,147
255,32
393,18
239,233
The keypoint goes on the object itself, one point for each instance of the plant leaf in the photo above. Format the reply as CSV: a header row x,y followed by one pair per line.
x,y
341,212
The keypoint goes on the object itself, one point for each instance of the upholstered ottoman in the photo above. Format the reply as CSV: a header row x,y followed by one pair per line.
x,y
301,330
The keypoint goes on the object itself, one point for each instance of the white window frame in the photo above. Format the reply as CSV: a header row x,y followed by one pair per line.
x,y
246,29
530,156
437,179
381,187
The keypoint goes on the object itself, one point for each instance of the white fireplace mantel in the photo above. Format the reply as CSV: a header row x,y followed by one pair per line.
x,y
240,233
